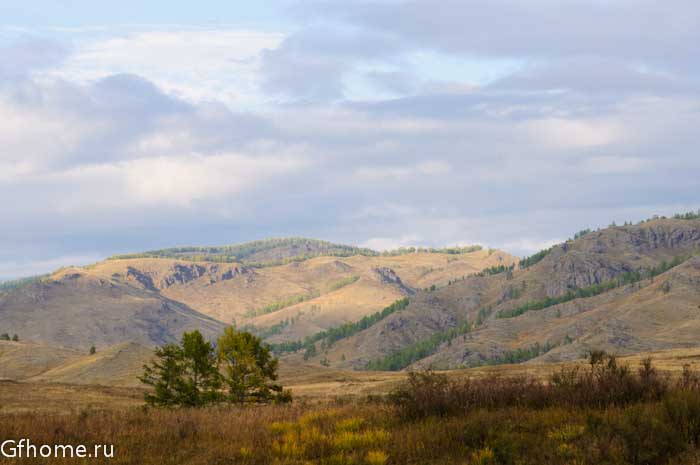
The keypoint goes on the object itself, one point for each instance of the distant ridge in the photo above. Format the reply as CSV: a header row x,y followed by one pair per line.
x,y
280,251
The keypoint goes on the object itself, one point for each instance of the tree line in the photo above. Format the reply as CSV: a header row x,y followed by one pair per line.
x,y
419,350
334,334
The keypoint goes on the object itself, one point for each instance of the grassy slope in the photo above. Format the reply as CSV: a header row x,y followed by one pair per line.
x,y
229,300
597,257
78,309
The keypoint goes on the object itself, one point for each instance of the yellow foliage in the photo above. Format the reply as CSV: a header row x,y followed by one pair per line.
x,y
350,424
352,440
566,433
280,427
376,457
484,456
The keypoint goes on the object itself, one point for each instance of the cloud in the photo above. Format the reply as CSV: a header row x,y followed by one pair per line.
x,y
311,65
194,63
391,243
21,59
366,124
541,29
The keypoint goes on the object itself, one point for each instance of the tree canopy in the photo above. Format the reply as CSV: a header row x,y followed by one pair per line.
x,y
194,373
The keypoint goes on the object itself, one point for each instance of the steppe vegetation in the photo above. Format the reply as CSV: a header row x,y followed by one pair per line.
x,y
605,413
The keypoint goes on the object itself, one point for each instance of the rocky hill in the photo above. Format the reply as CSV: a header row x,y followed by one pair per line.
x,y
625,289
151,298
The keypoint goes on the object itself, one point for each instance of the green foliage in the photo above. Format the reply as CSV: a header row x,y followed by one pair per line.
x,y
310,351
93,350
15,338
688,216
249,370
444,250
334,334
4,337
188,374
522,354
402,358
626,278
308,248
270,331
581,233
279,305
493,270
305,248
533,259
17,283
343,282
483,314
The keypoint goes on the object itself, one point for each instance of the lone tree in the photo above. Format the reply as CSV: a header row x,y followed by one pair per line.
x,y
194,374
249,370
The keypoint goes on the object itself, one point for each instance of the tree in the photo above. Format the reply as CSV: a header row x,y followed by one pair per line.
x,y
202,377
164,374
183,375
4,337
92,350
249,370
15,338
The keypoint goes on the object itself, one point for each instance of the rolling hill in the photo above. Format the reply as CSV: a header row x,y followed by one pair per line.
x,y
626,289
151,298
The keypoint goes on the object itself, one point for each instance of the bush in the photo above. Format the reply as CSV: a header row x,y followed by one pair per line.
x,y
606,383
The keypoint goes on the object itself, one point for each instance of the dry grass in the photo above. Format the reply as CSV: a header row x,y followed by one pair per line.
x,y
343,427
229,299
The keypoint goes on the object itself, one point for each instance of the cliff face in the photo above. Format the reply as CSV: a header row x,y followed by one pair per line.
x,y
601,256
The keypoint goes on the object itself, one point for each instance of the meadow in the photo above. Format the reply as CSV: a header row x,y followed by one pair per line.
x,y
605,412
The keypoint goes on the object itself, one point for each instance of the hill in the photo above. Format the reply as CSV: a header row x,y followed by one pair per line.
x,y
77,309
22,360
119,365
626,289
152,298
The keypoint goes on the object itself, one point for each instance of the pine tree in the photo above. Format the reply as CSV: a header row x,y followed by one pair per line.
x,y
183,375
202,378
164,373
249,370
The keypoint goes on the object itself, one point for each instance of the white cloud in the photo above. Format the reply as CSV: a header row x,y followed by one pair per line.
x,y
560,133
390,243
527,246
173,181
193,63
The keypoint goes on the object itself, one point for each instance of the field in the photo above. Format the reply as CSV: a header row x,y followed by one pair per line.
x,y
342,417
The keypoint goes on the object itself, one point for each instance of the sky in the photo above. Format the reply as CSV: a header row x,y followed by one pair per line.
x,y
129,126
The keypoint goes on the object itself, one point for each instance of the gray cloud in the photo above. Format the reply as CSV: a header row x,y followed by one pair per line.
x,y
598,124
662,33
310,65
